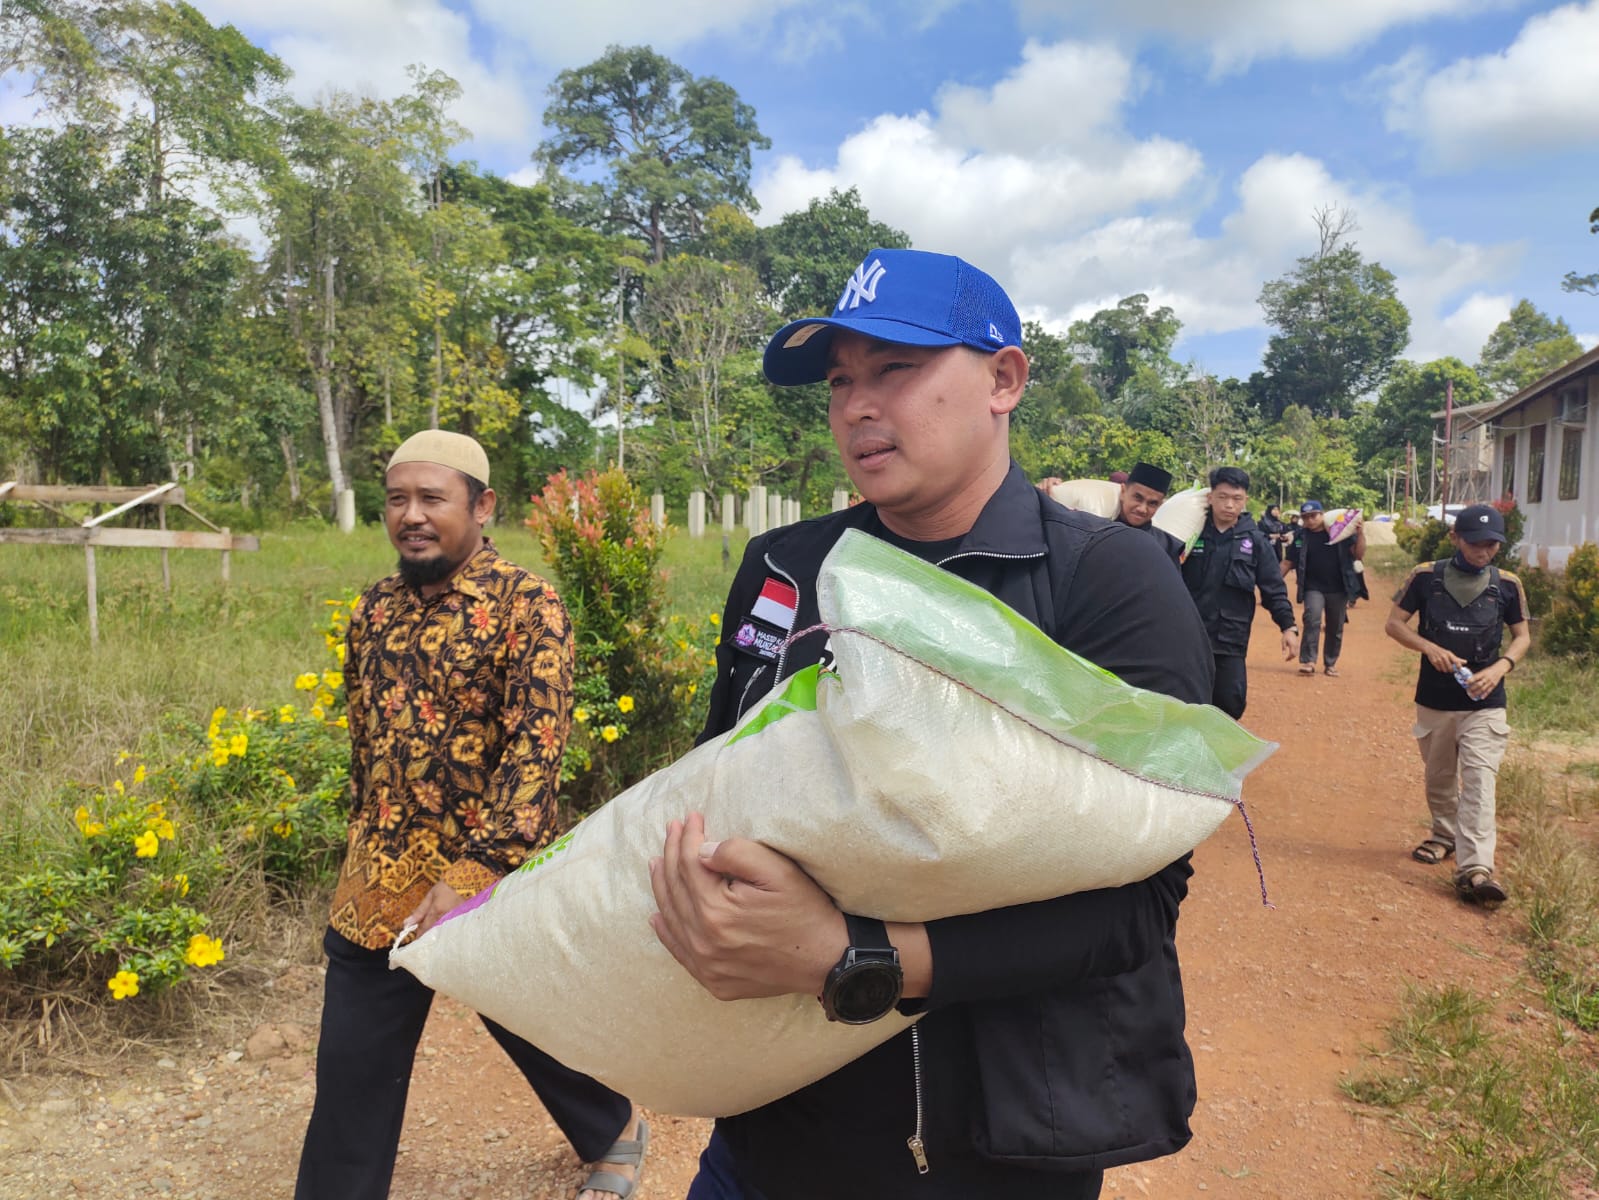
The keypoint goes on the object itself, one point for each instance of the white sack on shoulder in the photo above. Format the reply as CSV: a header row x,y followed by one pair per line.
x,y
955,760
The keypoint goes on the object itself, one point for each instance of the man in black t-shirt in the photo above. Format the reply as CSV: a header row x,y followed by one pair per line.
x,y
1465,605
1327,582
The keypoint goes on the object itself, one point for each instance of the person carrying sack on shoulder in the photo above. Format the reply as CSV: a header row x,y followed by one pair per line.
x,y
1465,604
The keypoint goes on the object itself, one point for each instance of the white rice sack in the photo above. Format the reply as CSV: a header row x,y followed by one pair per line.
x,y
1183,515
954,760
1341,524
1098,496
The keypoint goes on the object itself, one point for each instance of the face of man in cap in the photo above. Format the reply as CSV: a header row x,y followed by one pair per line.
x,y
923,431
432,521
1140,502
1314,520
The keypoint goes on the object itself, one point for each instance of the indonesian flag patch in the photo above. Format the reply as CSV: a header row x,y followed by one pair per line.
x,y
776,604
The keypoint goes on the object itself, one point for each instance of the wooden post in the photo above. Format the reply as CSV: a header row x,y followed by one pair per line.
x,y
166,555
227,558
94,598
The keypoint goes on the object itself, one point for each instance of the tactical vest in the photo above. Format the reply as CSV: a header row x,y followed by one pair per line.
x,y
1473,632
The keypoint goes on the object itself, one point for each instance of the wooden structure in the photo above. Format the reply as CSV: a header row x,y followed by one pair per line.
x,y
94,532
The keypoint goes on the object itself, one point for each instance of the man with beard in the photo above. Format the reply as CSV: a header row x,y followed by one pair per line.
x,y
1142,495
1231,559
458,670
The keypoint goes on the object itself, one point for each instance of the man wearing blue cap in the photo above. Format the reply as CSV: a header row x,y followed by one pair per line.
x,y
1465,605
1052,1042
1327,581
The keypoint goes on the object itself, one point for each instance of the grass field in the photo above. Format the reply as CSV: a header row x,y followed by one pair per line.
x,y
65,710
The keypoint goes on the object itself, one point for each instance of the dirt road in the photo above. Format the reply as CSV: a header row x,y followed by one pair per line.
x,y
1281,1004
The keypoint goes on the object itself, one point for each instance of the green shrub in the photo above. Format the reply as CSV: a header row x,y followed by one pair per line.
x,y
1426,542
1572,627
1539,588
256,801
637,673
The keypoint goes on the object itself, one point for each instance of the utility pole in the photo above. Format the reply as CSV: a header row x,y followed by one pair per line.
x,y
621,291
1449,431
1410,475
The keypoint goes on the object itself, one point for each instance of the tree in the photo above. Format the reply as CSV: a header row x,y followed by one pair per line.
x,y
1340,324
1404,408
1524,347
672,145
701,317
1584,283
805,258
1115,342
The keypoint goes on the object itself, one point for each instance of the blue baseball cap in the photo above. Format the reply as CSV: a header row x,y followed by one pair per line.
x,y
908,297
1310,506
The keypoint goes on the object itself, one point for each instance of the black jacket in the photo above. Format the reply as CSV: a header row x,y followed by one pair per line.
x,y
1170,545
1348,576
1053,1040
1222,572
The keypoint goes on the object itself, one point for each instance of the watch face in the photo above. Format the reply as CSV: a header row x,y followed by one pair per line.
x,y
866,991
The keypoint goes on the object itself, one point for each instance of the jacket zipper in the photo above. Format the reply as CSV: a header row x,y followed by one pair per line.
x,y
918,1147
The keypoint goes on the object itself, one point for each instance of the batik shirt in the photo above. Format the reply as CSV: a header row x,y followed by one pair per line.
x,y
459,708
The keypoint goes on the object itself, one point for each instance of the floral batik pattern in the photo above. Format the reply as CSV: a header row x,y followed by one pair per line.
x,y
459,709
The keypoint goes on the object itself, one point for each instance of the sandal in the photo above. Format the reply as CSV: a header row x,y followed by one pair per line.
x,y
1432,852
1478,886
627,1152
1307,668
1332,671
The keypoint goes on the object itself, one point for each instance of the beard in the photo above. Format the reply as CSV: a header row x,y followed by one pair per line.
x,y
418,572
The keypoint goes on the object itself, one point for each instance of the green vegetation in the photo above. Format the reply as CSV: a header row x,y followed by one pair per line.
x,y
1502,1094
187,780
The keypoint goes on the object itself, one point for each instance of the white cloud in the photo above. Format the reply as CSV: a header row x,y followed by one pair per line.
x,y
1541,93
366,46
565,35
1237,32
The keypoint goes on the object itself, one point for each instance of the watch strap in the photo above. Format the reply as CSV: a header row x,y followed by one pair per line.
x,y
867,933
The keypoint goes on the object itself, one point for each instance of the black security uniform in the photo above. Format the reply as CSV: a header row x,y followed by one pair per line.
x,y
1053,1042
1323,566
1172,548
1223,572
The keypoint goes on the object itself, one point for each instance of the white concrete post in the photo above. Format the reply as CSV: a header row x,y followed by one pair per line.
x,y
774,512
658,510
344,509
696,514
755,510
840,499
727,512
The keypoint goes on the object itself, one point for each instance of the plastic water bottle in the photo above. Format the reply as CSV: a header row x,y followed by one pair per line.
x,y
1462,675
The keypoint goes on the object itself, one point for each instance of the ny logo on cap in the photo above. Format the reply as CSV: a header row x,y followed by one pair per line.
x,y
862,285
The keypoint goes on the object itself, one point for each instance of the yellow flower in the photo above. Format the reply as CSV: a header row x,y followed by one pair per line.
x,y
317,712
286,714
218,713
334,603
146,845
253,714
287,778
325,699
93,829
715,619
219,755
580,715
203,951
283,828
139,774
116,786
306,682
82,818
625,703
609,733
238,744
329,640
123,756
343,722
333,678
123,984
181,882
692,688
339,653
161,827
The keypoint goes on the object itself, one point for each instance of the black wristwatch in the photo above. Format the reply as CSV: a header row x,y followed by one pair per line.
x,y
865,984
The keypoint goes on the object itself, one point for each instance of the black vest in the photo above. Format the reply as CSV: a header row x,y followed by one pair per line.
x,y
1473,632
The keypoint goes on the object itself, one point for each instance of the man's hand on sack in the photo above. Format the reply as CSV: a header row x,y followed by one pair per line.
x,y
439,901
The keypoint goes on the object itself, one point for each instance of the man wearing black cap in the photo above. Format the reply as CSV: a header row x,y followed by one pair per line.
x,y
1327,582
1465,604
1052,1045
1142,495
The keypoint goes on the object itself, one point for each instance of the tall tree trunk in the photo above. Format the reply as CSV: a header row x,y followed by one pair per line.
x,y
286,444
322,380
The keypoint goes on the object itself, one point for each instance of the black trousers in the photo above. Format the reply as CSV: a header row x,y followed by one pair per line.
x,y
1231,690
372,1019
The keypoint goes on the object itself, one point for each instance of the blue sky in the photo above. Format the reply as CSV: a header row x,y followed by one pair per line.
x,y
1081,151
